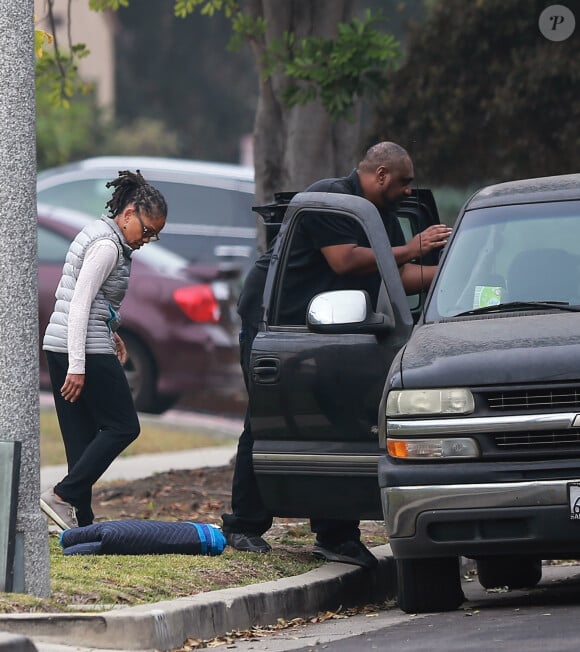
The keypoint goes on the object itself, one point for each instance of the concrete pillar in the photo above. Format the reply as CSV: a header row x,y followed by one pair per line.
x,y
19,405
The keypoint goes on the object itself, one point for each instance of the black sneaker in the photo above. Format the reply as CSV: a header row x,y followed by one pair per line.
x,y
247,542
347,552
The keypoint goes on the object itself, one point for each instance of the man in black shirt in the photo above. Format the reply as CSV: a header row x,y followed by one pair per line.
x,y
329,254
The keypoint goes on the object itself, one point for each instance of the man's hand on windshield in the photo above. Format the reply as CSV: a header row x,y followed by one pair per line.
x,y
433,237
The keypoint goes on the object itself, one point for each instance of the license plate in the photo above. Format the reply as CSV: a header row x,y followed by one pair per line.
x,y
574,500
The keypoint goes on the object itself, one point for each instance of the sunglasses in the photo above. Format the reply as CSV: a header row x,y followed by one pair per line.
x,y
148,233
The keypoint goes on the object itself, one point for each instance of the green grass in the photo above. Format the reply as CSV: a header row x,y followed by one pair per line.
x,y
100,583
104,582
154,438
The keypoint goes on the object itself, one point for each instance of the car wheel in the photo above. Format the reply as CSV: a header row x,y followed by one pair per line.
x,y
513,572
140,374
429,585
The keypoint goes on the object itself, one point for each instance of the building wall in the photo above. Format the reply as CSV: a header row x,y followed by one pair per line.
x,y
96,31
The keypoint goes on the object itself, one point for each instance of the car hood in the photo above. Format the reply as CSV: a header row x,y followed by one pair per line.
x,y
500,350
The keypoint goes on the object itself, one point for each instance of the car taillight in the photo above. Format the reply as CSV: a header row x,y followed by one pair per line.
x,y
198,302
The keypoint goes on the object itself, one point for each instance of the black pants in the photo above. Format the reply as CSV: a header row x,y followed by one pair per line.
x,y
95,428
250,516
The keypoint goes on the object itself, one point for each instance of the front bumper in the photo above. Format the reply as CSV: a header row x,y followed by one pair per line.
x,y
473,520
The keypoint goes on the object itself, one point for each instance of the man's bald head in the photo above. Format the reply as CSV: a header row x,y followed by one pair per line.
x,y
385,174
386,154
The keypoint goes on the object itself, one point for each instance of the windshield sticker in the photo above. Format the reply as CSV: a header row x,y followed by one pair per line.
x,y
486,295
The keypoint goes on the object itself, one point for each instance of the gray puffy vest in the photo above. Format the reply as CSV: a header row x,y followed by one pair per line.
x,y
104,318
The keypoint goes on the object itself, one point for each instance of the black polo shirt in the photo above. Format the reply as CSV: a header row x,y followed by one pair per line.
x,y
308,272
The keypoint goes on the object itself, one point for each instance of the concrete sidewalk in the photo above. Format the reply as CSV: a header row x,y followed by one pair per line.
x,y
142,466
166,625
225,430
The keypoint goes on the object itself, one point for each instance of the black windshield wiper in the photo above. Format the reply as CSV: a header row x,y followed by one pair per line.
x,y
521,305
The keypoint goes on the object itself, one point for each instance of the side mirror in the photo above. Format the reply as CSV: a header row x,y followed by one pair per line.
x,y
345,311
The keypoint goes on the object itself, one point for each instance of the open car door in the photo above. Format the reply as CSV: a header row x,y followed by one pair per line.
x,y
314,396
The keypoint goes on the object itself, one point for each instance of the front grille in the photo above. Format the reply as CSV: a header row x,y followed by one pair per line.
x,y
535,439
535,399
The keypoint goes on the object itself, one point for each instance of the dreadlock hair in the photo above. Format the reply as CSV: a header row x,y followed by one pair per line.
x,y
131,188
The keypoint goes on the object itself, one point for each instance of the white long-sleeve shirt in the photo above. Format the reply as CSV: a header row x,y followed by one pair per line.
x,y
100,260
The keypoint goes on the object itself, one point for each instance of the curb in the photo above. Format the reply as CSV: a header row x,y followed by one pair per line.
x,y
164,626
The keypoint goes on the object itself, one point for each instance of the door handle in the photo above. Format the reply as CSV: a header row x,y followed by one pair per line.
x,y
266,370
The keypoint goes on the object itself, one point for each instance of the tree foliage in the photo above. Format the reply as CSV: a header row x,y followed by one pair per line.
x,y
337,69
483,96
181,72
64,129
41,39
58,73
57,69
315,63
65,133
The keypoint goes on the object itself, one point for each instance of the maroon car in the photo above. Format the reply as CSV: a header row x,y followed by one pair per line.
x,y
176,321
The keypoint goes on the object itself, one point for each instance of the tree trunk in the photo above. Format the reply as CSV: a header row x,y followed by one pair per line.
x,y
294,147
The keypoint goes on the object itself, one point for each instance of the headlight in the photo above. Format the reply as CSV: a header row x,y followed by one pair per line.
x,y
413,449
411,402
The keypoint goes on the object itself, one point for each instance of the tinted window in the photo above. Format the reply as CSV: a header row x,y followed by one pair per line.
x,y
190,204
406,226
52,247
414,300
88,195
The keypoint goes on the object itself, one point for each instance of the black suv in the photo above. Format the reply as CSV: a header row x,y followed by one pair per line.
x,y
456,417
483,403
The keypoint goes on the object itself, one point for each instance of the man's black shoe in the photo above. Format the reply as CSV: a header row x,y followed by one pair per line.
x,y
348,552
247,542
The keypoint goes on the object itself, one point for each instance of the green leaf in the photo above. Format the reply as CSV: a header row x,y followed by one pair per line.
x,y
337,70
101,5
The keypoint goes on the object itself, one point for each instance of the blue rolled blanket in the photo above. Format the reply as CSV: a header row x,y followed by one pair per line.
x,y
142,537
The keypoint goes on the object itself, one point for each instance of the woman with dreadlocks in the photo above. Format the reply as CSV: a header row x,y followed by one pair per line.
x,y
85,355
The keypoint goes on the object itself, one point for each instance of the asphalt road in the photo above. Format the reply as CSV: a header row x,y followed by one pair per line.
x,y
545,618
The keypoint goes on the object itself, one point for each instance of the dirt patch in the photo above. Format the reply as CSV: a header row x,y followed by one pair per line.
x,y
201,495
185,495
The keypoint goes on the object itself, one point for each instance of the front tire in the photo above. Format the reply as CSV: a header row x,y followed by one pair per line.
x,y
429,585
513,572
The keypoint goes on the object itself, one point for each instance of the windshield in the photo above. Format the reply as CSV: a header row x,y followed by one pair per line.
x,y
510,255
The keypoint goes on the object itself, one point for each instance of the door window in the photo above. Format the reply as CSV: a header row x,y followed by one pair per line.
x,y
304,270
88,195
